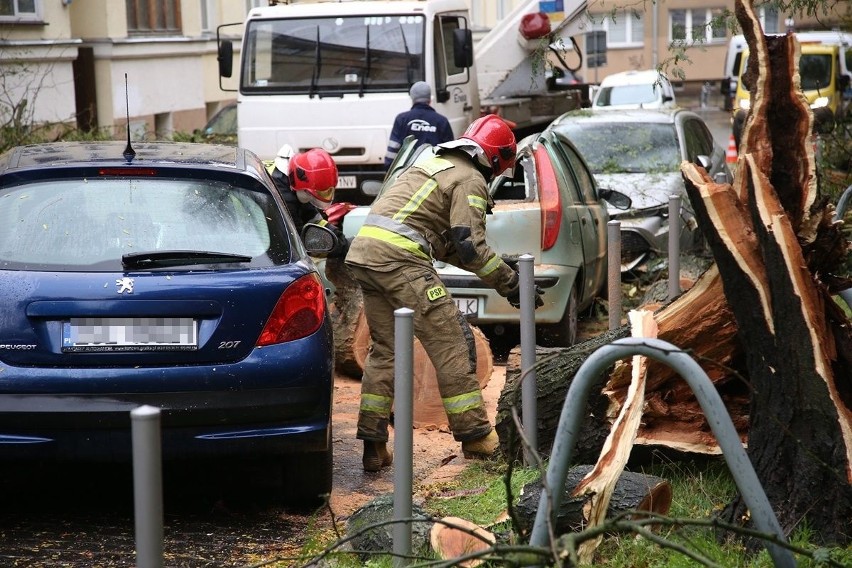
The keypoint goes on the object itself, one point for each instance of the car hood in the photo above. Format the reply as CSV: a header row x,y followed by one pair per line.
x,y
646,190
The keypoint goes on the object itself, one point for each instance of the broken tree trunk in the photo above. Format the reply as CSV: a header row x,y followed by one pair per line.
x,y
776,246
698,320
633,492
762,322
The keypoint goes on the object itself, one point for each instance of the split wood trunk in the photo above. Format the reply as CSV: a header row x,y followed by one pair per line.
x,y
762,322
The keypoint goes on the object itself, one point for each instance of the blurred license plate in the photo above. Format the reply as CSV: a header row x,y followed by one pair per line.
x,y
346,182
467,306
130,334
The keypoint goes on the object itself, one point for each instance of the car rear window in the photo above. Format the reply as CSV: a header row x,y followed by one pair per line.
x,y
90,223
623,147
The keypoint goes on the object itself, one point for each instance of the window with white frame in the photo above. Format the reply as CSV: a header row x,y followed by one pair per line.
x,y
769,19
697,25
624,28
209,19
20,10
153,17
255,4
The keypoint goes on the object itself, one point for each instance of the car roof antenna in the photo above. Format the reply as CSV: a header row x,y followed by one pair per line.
x,y
129,152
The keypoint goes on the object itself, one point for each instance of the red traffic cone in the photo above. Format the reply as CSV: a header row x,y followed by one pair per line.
x,y
731,152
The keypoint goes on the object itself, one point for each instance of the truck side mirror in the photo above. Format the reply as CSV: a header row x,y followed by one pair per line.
x,y
225,57
442,95
462,47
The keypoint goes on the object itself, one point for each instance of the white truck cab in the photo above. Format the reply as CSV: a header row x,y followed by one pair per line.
x,y
634,89
333,75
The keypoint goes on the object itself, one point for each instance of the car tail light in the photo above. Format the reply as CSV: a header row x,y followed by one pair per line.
x,y
299,312
549,199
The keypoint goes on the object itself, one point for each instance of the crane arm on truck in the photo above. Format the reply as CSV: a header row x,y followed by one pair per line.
x,y
512,82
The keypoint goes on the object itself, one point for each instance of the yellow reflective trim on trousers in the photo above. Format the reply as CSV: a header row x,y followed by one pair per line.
x,y
419,197
462,403
392,238
477,202
489,267
376,403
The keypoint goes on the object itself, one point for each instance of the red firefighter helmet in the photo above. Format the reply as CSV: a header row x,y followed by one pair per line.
x,y
497,140
313,176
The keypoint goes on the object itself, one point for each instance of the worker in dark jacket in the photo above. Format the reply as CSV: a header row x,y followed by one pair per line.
x,y
434,211
422,121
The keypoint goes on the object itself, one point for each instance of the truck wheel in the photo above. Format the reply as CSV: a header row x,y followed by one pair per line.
x,y
307,477
563,333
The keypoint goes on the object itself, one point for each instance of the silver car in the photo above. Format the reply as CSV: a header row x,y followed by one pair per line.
x,y
552,209
639,152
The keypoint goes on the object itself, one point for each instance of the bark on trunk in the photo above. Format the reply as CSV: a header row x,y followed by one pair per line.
x,y
779,348
773,241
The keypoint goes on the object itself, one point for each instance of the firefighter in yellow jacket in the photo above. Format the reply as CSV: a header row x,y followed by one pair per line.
x,y
434,210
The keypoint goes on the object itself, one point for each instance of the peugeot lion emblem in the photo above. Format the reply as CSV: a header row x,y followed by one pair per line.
x,y
124,285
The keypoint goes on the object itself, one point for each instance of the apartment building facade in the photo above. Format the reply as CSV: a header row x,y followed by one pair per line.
x,y
96,62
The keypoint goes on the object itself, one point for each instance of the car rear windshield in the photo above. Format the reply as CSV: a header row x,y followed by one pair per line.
x,y
622,147
89,224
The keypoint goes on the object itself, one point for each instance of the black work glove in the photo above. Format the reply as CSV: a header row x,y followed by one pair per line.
x,y
514,297
342,246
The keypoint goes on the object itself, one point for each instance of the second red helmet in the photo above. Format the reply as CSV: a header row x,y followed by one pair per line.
x,y
497,141
314,173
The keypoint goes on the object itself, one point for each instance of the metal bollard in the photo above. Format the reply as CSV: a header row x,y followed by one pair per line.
x,y
674,246
613,232
529,390
403,434
711,404
147,486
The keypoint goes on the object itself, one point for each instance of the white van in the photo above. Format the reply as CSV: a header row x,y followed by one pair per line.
x,y
634,89
738,44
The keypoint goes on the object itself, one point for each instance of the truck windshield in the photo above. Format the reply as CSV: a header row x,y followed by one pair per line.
x,y
815,71
333,55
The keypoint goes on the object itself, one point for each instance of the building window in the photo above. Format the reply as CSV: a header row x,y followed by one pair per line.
x,y
768,15
209,18
255,4
146,17
698,25
623,28
20,10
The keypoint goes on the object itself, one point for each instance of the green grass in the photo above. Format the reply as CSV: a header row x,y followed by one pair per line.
x,y
700,489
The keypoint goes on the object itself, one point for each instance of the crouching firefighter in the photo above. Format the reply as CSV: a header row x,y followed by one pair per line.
x,y
434,211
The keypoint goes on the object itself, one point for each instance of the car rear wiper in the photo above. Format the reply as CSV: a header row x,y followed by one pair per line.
x,y
160,258
315,75
366,74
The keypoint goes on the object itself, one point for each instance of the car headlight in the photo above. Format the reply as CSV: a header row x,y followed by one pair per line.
x,y
745,104
820,102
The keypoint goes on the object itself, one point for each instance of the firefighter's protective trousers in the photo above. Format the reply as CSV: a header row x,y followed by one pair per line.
x,y
445,336
434,211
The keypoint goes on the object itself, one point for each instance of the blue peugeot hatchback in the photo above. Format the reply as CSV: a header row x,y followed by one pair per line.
x,y
169,275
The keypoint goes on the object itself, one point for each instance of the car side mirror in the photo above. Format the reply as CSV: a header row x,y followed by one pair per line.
x,y
225,57
462,47
319,241
703,161
616,198
371,187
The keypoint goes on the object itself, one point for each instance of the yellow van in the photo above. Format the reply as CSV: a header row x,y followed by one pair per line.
x,y
821,80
